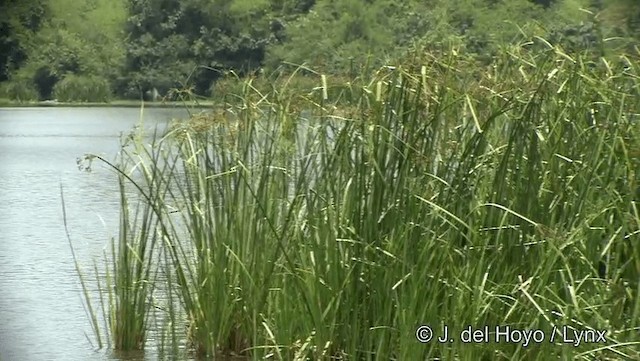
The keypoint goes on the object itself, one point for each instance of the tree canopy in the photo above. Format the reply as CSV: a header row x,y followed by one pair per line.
x,y
135,45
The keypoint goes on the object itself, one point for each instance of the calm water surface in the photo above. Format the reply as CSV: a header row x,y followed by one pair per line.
x,y
41,312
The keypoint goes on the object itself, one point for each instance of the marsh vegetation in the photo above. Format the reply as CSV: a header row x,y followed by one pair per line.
x,y
329,222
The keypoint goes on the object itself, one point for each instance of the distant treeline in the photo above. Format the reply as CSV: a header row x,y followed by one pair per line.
x,y
93,50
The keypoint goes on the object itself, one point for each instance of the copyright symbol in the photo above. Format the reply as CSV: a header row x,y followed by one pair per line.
x,y
424,334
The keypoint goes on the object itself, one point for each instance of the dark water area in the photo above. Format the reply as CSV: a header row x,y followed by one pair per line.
x,y
41,310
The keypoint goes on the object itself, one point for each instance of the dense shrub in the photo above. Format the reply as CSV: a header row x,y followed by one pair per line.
x,y
18,89
82,88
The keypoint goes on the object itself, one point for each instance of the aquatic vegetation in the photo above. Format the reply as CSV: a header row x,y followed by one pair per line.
x,y
440,196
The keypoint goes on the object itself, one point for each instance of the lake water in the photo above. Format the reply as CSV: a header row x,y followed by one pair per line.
x,y
41,310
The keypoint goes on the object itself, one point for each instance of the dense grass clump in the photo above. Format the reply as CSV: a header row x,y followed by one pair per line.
x,y
439,196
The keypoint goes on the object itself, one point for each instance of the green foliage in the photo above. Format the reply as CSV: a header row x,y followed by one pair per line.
x,y
81,38
333,34
62,51
82,88
160,63
329,40
19,22
291,8
623,15
130,276
441,194
20,90
187,45
192,42
99,25
105,17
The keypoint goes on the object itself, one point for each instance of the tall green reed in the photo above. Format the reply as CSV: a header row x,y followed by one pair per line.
x,y
439,196
128,279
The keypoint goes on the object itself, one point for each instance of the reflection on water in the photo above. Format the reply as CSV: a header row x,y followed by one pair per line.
x,y
41,312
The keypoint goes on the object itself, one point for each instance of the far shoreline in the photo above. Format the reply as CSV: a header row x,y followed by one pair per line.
x,y
6,103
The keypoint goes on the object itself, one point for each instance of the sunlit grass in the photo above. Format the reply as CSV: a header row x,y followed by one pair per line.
x,y
435,197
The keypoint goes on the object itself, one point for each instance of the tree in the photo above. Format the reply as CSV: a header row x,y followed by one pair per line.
x,y
336,34
19,22
171,41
